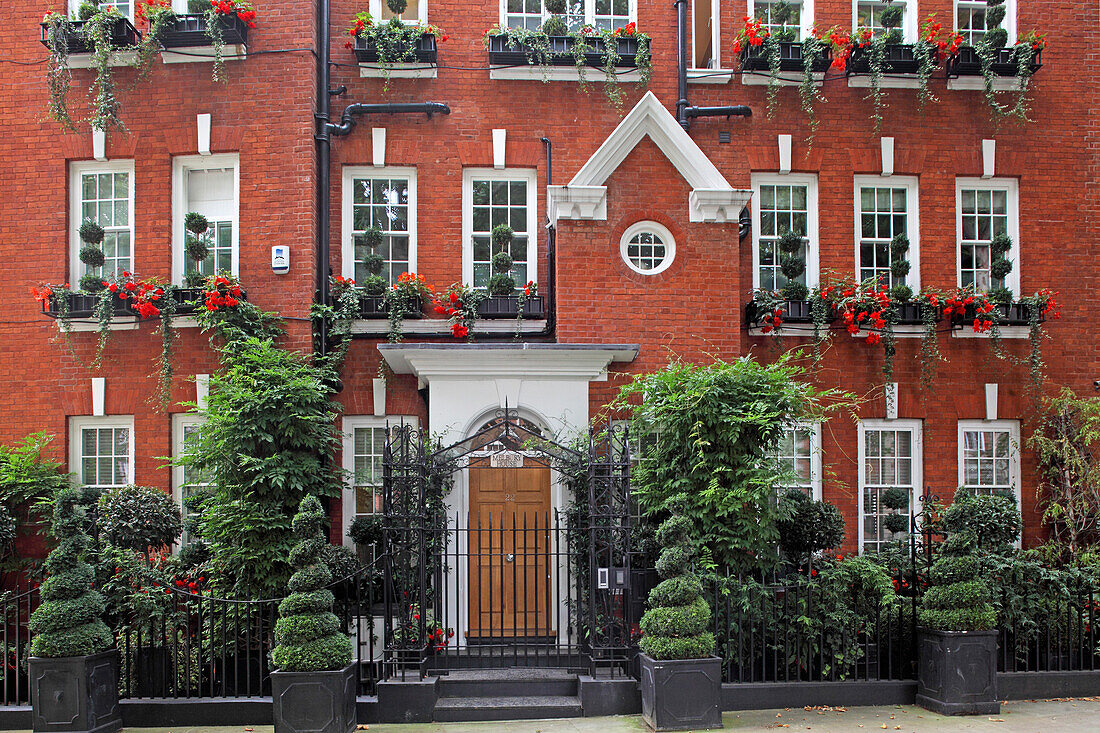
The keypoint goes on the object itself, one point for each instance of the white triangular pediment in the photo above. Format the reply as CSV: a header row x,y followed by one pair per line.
x,y
712,197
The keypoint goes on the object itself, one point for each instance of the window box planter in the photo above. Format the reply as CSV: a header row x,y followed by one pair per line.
x,y
189,300
755,58
75,693
190,30
426,51
958,672
794,311
123,34
503,53
507,306
900,58
967,63
314,702
374,307
82,306
681,694
1007,314
911,314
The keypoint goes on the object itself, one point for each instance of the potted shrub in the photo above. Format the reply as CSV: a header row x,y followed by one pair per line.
x,y
681,678
315,686
210,24
73,667
394,43
503,301
957,638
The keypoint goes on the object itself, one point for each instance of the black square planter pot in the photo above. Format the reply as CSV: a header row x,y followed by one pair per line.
x,y
898,58
681,694
123,35
958,672
967,62
755,58
507,306
314,702
190,30
75,694
505,53
426,51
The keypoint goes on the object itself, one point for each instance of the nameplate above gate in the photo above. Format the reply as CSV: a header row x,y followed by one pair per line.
x,y
506,459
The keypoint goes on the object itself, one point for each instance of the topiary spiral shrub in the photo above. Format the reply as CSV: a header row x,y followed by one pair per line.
x,y
958,599
307,634
675,626
69,623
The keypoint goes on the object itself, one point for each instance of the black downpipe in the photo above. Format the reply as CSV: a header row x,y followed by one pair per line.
x,y
684,111
551,251
324,162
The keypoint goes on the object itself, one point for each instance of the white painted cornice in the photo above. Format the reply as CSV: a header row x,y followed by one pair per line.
x,y
505,361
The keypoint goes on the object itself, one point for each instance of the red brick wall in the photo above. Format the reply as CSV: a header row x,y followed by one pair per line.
x,y
693,310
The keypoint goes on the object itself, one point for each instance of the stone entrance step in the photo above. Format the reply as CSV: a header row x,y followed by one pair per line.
x,y
507,694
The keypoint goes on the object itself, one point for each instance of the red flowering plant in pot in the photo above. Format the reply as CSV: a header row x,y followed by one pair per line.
x,y
867,307
404,299
459,303
215,29
393,42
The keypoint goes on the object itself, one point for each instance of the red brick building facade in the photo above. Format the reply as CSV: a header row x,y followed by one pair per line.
x,y
261,153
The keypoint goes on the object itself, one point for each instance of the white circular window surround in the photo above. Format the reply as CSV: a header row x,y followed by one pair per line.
x,y
647,247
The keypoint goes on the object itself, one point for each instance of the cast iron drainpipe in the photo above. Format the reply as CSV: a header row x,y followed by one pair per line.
x,y
347,121
684,111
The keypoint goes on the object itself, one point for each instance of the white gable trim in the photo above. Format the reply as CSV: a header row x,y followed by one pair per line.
x,y
712,197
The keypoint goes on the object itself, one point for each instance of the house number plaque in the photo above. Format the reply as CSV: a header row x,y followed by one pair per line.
x,y
506,459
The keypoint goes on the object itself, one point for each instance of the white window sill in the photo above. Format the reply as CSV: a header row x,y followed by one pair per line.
x,y
761,78
558,73
441,327
202,54
118,58
709,76
977,84
1007,332
863,81
413,70
118,323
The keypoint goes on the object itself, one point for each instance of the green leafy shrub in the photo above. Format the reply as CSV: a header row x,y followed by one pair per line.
x,y
958,599
92,256
68,622
91,233
993,519
366,530
195,222
373,263
676,631
810,525
139,517
341,561
307,634
372,240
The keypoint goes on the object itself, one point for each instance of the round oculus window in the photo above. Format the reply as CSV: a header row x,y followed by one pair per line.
x,y
647,248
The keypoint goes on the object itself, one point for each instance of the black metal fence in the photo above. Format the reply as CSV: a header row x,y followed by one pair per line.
x,y
1047,621
17,606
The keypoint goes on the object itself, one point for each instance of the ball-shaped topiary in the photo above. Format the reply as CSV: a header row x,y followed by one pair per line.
x,y
810,525
675,626
197,249
501,283
86,10
901,293
195,222
895,498
373,263
69,623
371,238
555,25
374,285
995,38
91,233
307,634
993,519
958,599
555,7
795,291
502,236
397,7
90,283
1000,268
92,256
892,16
139,517
366,530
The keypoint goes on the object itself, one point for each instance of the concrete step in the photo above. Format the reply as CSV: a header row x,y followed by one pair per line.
x,y
514,682
470,709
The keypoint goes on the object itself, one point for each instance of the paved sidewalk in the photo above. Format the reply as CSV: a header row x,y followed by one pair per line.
x,y
1068,716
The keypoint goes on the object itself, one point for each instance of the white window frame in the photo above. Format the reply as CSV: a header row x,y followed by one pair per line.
x,y
1012,427
816,456
347,246
589,12
908,24
912,227
642,227
74,6
1009,23
78,424
813,245
181,166
530,175
422,14
348,427
805,20
914,426
180,422
1012,187
76,170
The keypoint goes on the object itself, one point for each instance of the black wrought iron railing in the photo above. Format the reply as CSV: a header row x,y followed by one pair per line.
x,y
1047,621
17,605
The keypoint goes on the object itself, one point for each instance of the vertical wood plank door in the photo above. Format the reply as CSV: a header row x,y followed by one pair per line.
x,y
509,571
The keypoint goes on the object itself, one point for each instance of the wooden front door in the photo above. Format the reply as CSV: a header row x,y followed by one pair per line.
x,y
509,546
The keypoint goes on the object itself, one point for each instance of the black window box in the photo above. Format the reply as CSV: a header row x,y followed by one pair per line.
x,y
191,30
899,58
507,306
912,314
502,53
425,52
755,58
374,307
1008,314
123,34
190,300
82,306
967,62
794,311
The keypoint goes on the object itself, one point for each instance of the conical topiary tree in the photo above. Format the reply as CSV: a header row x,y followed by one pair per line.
x,y
69,623
307,634
958,599
675,626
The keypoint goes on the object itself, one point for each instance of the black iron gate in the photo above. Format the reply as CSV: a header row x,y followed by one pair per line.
x,y
497,586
